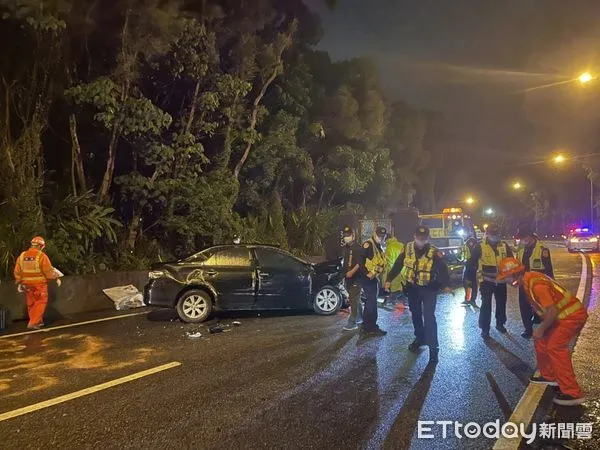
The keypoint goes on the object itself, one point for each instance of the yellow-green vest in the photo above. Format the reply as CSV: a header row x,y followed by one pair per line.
x,y
488,263
393,249
535,260
378,263
418,271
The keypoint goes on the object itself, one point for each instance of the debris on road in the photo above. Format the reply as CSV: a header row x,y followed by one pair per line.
x,y
125,297
216,329
194,335
236,323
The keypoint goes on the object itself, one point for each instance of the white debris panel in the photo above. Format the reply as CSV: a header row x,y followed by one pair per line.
x,y
125,297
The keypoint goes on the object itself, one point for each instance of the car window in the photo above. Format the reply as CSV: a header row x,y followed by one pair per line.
x,y
230,257
273,259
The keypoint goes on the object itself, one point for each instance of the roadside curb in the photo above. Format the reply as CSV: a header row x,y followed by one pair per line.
x,y
531,398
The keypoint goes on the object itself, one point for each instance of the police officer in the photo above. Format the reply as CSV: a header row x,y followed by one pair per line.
x,y
424,272
534,257
489,253
470,283
372,266
351,264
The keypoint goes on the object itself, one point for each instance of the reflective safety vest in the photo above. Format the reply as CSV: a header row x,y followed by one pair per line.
x,y
393,249
29,267
418,271
465,253
535,260
488,263
565,302
377,263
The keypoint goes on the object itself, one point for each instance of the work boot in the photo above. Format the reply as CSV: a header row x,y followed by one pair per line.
x,y
542,380
433,355
567,400
485,334
415,345
502,329
374,332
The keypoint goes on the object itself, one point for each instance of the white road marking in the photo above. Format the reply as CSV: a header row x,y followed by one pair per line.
x,y
533,394
60,327
91,390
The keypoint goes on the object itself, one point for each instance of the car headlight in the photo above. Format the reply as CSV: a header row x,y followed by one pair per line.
x,y
594,240
574,240
156,274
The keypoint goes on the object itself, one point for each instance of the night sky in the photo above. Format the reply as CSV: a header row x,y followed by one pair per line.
x,y
471,60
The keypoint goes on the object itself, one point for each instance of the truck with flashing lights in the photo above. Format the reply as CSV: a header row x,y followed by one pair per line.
x,y
448,232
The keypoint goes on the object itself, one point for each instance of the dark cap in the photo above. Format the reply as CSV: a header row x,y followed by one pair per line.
x,y
380,231
493,230
422,231
525,230
347,231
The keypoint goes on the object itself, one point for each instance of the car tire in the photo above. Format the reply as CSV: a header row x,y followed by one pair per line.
x,y
327,301
194,306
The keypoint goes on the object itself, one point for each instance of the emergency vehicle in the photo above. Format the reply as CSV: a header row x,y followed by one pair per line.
x,y
448,232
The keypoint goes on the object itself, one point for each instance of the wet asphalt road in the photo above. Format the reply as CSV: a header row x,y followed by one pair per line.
x,y
276,381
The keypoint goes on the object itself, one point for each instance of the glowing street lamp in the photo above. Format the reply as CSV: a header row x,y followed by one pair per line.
x,y
517,186
489,212
469,200
585,78
559,159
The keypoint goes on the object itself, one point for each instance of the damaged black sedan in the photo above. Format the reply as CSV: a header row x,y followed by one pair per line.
x,y
243,277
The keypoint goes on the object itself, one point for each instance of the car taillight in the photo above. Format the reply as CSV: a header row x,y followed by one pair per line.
x,y
156,274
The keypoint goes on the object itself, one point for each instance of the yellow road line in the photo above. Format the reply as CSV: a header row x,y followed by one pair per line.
x,y
60,327
84,392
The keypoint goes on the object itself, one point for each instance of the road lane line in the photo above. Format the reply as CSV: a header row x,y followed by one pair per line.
x,y
60,327
87,391
532,396
583,280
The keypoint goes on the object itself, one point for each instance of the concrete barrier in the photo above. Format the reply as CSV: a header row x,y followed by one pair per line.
x,y
76,295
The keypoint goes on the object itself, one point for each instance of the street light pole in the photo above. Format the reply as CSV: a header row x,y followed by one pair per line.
x,y
592,203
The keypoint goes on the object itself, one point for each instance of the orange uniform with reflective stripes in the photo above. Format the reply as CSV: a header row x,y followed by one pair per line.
x,y
33,270
552,350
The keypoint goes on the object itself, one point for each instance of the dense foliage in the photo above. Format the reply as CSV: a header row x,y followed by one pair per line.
x,y
133,130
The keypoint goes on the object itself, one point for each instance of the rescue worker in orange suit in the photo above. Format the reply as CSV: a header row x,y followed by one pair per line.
x,y
534,257
32,272
470,283
425,272
489,253
563,316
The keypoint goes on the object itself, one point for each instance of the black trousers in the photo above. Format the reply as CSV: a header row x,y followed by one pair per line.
x,y
470,281
528,316
422,302
371,288
499,292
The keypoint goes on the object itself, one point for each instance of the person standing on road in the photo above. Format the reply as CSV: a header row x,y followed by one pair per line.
x,y
372,266
424,272
489,253
32,272
393,249
534,257
351,264
469,280
563,316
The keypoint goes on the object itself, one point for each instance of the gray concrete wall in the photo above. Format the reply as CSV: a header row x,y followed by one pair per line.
x,y
76,295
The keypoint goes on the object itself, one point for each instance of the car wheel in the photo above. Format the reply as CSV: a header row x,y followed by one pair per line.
x,y
194,306
327,301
